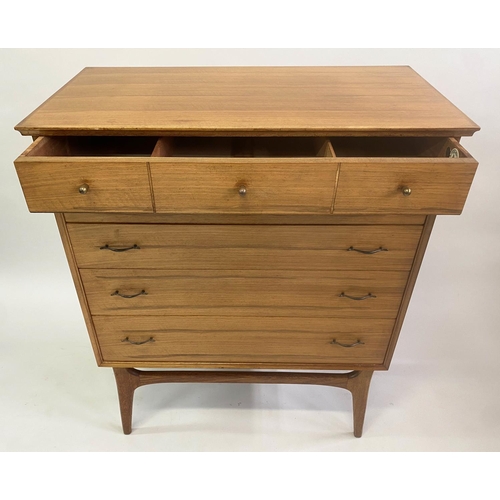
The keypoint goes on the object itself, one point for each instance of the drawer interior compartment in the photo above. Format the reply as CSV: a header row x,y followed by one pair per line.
x,y
397,147
242,147
248,147
93,146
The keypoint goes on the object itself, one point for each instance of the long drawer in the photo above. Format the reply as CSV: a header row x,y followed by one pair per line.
x,y
211,247
194,340
351,294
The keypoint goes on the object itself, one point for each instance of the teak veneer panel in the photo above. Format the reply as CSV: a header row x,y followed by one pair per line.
x,y
189,247
274,186
51,184
244,293
375,185
247,340
257,100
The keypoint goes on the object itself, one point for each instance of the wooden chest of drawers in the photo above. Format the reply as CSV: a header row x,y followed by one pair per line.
x,y
245,218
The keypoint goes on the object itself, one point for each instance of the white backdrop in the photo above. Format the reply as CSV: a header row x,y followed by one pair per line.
x,y
441,392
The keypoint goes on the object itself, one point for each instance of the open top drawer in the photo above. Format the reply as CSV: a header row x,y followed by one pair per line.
x,y
402,175
87,174
273,175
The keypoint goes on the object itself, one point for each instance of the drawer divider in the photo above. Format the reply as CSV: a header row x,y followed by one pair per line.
x,y
148,166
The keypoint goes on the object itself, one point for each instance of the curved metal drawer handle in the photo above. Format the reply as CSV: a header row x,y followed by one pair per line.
x,y
114,249
142,292
367,252
151,339
369,296
358,342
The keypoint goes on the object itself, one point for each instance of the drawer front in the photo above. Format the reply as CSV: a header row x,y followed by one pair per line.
x,y
381,186
211,247
194,340
84,185
373,294
244,185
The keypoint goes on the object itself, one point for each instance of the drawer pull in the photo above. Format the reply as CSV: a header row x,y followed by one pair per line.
x,y
406,191
242,190
369,296
367,252
114,249
142,292
83,189
358,342
151,339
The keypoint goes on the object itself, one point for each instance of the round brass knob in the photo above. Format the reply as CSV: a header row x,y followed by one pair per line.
x,y
406,191
242,190
83,189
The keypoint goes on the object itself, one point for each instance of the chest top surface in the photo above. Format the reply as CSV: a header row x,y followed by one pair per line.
x,y
373,100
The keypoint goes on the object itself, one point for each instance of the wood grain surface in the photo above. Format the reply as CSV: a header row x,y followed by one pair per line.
x,y
51,185
244,293
211,247
274,186
256,100
241,339
438,186
129,379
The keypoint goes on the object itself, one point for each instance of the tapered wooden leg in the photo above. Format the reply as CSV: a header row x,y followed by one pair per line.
x,y
127,381
359,384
